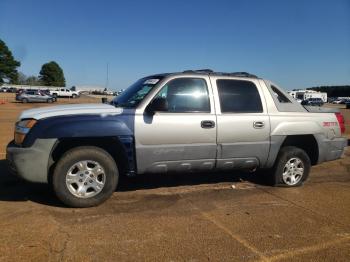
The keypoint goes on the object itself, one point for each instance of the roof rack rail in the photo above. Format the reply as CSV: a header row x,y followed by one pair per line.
x,y
242,74
211,72
199,71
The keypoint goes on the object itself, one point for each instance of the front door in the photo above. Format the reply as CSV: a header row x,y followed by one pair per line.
x,y
183,138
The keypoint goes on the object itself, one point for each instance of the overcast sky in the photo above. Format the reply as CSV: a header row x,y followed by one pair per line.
x,y
295,43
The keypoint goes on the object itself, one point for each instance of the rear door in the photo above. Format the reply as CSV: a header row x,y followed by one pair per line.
x,y
243,125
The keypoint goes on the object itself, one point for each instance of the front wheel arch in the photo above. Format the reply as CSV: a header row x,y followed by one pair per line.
x,y
110,144
80,192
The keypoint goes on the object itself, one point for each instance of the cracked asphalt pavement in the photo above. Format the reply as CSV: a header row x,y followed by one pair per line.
x,y
180,217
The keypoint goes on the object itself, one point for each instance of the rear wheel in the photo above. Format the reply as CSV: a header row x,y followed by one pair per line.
x,y
85,176
291,168
49,100
74,96
24,100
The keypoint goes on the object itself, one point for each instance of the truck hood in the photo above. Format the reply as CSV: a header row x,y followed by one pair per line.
x,y
77,109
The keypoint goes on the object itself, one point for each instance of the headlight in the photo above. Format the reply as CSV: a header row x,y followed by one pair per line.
x,y
22,129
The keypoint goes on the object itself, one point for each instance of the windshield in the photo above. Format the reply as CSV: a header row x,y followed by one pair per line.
x,y
134,94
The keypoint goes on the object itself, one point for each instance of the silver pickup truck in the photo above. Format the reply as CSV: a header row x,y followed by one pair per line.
x,y
178,122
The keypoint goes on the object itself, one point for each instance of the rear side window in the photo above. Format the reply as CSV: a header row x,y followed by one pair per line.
x,y
280,96
237,96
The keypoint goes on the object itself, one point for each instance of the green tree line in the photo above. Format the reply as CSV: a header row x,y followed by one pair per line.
x,y
51,74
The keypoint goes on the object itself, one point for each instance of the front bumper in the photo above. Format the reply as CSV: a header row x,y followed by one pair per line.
x,y
30,163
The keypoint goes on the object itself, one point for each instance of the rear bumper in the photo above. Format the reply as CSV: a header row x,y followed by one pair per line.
x,y
331,149
30,163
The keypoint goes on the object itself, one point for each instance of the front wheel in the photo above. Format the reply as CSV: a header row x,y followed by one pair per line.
x,y
85,177
292,167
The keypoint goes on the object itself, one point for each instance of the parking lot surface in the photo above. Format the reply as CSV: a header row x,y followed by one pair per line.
x,y
197,217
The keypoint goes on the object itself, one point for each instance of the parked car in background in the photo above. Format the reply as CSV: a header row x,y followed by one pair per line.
x,y
331,99
47,92
28,96
19,91
108,92
11,90
344,101
338,101
347,104
63,92
119,92
312,102
3,89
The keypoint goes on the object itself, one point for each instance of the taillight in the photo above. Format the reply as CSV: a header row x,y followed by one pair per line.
x,y
341,122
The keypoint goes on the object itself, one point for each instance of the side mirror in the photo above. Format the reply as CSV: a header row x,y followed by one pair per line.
x,y
158,104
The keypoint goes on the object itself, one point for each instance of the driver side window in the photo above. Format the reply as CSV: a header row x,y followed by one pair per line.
x,y
186,95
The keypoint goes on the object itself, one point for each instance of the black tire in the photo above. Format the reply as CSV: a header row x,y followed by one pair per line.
x,y
83,153
286,154
74,96
49,100
24,100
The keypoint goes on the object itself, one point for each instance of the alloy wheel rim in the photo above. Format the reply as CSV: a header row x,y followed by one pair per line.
x,y
293,171
85,179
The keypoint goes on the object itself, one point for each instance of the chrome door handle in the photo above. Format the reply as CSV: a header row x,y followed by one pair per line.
x,y
207,124
258,124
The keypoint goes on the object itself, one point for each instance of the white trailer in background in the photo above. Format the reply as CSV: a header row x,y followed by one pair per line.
x,y
87,88
301,95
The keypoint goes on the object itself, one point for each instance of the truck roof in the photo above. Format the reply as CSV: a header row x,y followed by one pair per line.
x,y
210,72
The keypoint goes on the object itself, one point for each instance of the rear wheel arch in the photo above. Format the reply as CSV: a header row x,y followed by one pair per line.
x,y
308,143
291,168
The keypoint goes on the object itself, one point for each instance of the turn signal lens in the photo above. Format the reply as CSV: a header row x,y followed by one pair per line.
x,y
29,123
22,128
19,138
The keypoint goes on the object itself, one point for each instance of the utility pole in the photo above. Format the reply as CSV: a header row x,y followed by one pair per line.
x,y
107,77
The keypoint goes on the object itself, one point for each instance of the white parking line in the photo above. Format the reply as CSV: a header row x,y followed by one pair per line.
x,y
309,249
229,232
